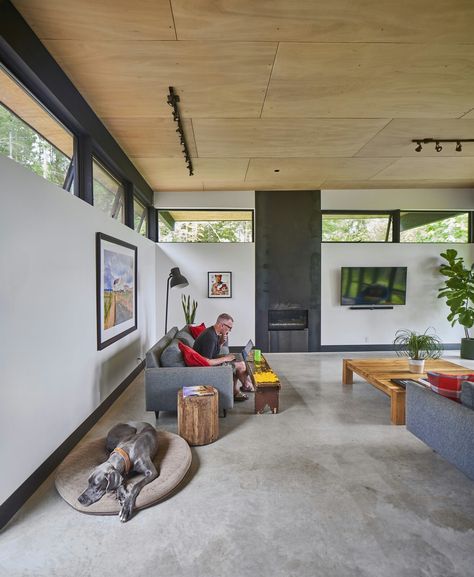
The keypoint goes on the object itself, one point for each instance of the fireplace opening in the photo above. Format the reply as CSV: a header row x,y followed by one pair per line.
x,y
287,319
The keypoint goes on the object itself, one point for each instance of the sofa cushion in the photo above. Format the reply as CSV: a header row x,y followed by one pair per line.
x,y
447,385
191,357
197,330
185,338
172,356
467,394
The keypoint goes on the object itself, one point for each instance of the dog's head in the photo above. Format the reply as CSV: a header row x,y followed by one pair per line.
x,y
103,478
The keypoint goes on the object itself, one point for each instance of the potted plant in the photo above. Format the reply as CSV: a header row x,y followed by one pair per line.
x,y
189,309
417,347
458,290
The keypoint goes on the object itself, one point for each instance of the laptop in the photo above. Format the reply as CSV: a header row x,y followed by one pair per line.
x,y
242,356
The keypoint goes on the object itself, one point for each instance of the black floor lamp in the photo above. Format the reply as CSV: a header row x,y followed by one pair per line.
x,y
176,279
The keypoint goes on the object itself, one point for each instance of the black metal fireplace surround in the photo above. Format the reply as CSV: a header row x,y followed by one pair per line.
x,y
288,270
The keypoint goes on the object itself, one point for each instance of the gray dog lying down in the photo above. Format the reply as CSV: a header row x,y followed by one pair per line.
x,y
132,446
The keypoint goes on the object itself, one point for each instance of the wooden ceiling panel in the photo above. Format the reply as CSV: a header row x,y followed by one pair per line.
x,y
150,137
396,184
395,140
91,20
429,169
317,170
282,137
371,80
322,21
132,78
172,173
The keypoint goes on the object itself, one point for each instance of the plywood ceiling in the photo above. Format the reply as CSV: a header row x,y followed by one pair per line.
x,y
275,94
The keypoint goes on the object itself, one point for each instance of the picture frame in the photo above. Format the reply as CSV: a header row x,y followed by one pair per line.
x,y
116,291
219,285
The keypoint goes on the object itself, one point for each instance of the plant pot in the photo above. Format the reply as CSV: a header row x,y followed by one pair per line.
x,y
416,365
467,348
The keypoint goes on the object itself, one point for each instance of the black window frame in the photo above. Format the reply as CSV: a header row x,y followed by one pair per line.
x,y
209,209
395,216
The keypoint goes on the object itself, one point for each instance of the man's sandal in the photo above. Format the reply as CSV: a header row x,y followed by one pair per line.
x,y
240,397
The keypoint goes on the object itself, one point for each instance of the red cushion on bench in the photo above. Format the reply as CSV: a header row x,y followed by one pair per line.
x,y
448,385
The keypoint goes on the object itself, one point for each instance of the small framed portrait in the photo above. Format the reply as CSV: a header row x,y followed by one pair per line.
x,y
219,285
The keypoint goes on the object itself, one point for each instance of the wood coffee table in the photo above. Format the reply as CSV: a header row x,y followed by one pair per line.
x,y
379,372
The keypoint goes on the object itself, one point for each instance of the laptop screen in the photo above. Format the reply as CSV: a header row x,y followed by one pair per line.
x,y
246,350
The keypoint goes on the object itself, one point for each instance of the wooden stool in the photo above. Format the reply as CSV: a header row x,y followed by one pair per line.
x,y
198,418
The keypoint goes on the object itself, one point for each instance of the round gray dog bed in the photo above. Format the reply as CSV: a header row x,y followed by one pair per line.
x,y
172,462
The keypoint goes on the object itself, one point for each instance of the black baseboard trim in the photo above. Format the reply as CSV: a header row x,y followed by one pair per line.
x,y
362,348
26,489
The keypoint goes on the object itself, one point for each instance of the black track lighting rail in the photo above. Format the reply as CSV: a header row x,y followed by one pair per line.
x,y
437,141
173,100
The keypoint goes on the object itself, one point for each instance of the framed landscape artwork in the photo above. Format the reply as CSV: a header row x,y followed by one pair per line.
x,y
219,285
116,289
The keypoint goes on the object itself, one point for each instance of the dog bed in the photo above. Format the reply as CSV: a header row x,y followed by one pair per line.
x,y
172,462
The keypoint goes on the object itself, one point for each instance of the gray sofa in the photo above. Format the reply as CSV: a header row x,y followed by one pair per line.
x,y
166,373
444,425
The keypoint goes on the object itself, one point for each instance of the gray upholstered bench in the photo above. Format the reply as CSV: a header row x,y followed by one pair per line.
x,y
444,425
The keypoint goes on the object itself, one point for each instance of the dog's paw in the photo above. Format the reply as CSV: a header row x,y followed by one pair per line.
x,y
125,512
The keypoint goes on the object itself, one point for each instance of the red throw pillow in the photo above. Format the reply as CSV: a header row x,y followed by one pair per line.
x,y
191,357
196,330
448,385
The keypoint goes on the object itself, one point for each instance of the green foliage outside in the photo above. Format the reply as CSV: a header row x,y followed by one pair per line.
x,y
217,231
370,229
21,143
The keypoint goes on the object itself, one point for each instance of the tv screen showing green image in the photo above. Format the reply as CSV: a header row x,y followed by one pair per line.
x,y
373,285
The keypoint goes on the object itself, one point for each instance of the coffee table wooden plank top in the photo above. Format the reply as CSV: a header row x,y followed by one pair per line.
x,y
379,372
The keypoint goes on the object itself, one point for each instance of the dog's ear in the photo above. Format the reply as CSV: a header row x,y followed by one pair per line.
x,y
114,480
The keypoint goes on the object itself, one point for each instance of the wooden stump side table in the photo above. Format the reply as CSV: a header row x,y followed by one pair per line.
x,y
198,418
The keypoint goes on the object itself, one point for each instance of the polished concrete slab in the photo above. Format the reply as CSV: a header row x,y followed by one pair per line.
x,y
328,487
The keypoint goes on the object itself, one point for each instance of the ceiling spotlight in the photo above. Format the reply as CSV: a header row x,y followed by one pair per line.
x,y
438,146
458,146
419,147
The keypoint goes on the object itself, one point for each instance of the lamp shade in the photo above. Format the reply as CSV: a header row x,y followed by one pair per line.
x,y
177,279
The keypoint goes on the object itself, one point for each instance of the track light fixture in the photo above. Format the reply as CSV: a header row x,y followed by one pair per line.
x,y
173,100
437,141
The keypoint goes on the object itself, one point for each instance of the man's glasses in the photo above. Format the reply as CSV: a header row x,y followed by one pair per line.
x,y
228,326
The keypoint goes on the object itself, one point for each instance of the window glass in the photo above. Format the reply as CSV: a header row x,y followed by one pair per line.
x,y
357,228
31,136
108,192
140,217
434,226
205,226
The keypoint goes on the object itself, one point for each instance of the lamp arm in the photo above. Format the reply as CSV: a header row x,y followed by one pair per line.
x,y
166,311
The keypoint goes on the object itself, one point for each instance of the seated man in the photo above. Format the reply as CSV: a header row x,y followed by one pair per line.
x,y
208,345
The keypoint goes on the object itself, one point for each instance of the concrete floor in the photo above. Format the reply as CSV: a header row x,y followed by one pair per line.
x,y
327,488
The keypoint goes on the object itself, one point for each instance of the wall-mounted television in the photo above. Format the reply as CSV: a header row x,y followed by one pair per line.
x,y
373,285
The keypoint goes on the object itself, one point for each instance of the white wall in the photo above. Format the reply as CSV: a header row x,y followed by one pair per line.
x,y
342,326
195,260
52,376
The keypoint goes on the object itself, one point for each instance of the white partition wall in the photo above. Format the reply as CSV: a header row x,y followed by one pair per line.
x,y
344,326
195,260
52,375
